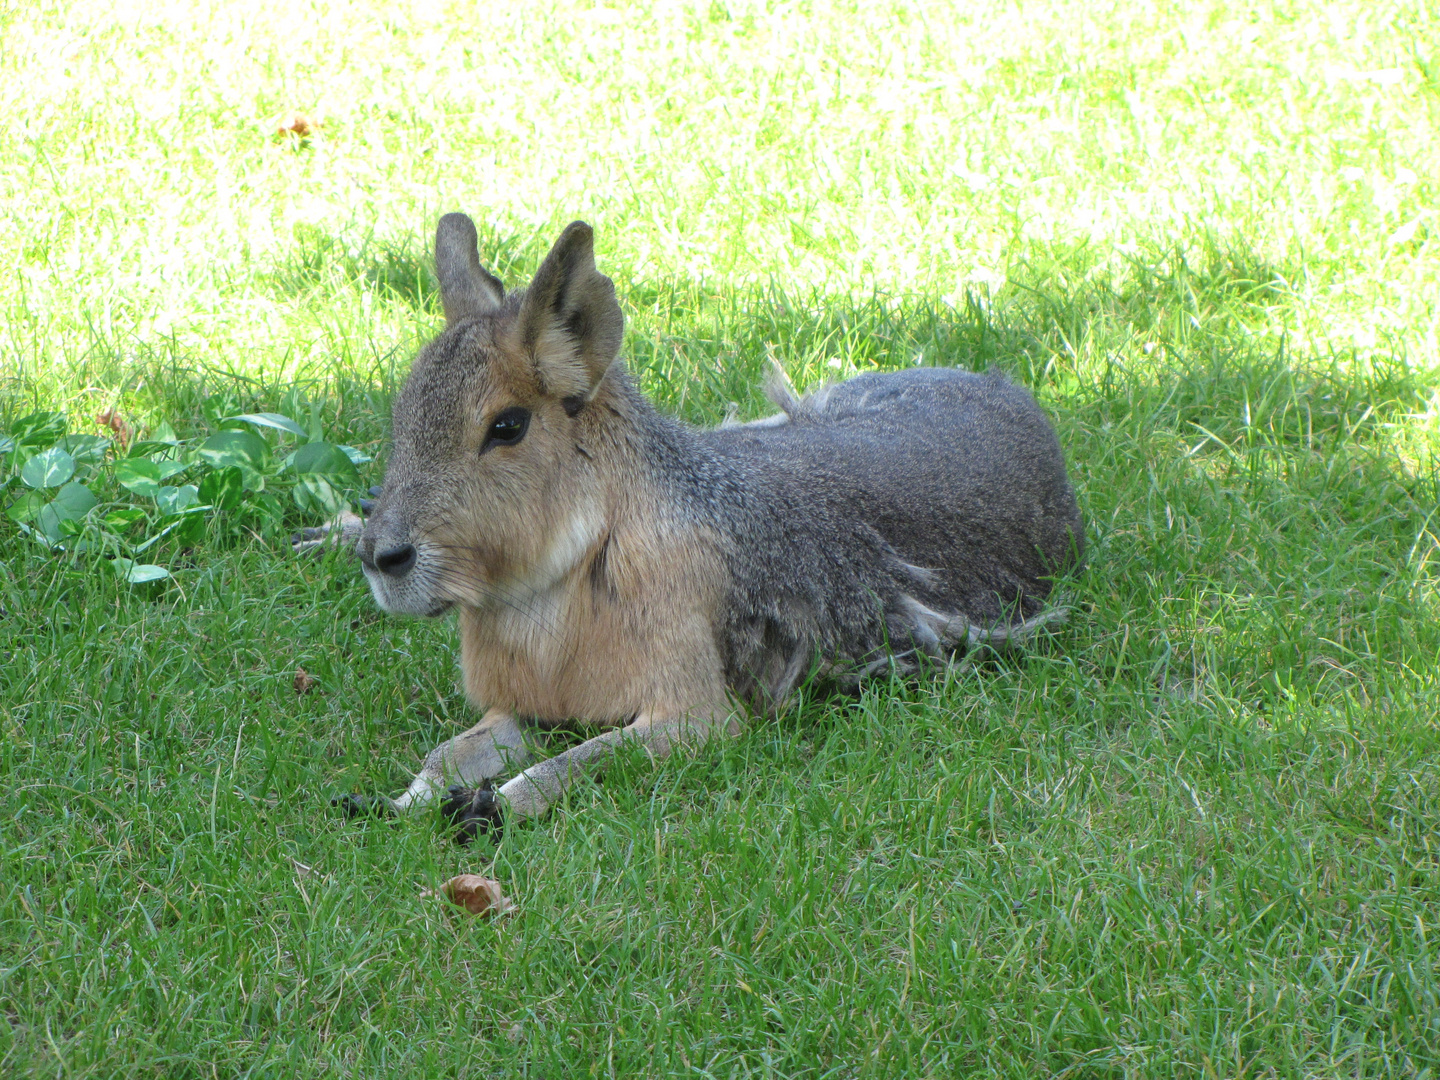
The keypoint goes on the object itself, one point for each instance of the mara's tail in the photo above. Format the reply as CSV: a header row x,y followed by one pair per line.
x,y
781,392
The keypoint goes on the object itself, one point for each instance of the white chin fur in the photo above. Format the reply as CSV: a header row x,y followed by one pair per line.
x,y
398,599
412,594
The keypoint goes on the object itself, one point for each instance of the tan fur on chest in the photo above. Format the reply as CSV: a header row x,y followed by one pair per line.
x,y
627,629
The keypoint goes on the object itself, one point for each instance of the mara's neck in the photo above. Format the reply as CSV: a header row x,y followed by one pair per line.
x,y
652,463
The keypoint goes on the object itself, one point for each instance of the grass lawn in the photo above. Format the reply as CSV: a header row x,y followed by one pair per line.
x,y
1193,832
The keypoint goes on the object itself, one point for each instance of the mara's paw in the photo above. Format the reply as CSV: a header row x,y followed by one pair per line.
x,y
344,531
316,541
363,806
473,811
310,541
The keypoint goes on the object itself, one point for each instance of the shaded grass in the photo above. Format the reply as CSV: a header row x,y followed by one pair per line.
x,y
1191,834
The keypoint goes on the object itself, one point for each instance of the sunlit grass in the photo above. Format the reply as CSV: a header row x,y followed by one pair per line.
x,y
912,148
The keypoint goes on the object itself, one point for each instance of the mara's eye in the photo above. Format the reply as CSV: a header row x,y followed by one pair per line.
x,y
508,428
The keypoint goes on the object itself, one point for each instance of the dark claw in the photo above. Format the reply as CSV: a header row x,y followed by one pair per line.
x,y
362,806
473,811
366,505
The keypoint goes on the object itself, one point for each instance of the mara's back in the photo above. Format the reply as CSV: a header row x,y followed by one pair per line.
x,y
876,509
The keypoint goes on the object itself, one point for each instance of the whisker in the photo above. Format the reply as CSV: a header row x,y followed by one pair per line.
x,y
511,595
521,605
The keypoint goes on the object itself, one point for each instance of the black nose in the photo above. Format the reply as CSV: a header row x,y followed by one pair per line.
x,y
397,561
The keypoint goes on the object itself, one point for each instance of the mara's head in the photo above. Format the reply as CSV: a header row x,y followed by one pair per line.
x,y
486,488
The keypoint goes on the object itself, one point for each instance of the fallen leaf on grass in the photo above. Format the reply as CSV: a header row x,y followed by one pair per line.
x,y
477,895
118,425
304,681
295,123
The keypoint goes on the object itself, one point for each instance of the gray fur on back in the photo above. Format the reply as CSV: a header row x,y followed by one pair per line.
x,y
887,516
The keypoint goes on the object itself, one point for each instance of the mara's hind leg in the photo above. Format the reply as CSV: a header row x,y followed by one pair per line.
x,y
540,786
493,748
344,531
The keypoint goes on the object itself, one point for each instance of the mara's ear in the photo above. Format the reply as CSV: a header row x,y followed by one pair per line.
x,y
466,287
569,320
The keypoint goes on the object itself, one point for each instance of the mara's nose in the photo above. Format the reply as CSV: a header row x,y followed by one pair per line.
x,y
396,561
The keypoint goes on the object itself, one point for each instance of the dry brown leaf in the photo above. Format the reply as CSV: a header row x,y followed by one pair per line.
x,y
477,895
117,424
304,681
295,123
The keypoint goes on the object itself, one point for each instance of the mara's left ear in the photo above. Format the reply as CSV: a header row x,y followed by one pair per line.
x,y
466,287
569,320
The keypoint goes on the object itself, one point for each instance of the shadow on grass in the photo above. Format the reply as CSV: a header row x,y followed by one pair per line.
x,y
1255,530
395,271
1219,771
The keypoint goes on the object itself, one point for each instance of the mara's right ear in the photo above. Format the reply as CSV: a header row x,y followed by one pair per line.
x,y
466,287
570,321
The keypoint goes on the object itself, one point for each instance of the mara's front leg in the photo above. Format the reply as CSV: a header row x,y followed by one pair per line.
x,y
493,748
540,786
